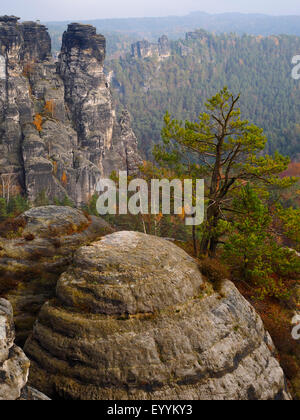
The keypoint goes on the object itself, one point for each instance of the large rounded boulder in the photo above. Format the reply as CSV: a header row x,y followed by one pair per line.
x,y
35,249
133,318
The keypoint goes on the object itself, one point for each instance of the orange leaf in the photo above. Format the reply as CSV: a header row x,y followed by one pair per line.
x,y
64,178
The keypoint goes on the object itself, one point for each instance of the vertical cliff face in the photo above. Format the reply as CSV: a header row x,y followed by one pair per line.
x,y
37,42
58,129
15,104
86,93
103,141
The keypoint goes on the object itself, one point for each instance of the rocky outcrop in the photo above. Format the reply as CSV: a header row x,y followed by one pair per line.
x,y
36,46
144,49
184,49
133,318
34,254
102,142
15,104
200,34
58,130
31,394
14,365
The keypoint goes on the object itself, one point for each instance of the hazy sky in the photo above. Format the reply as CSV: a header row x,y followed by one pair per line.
x,y
91,9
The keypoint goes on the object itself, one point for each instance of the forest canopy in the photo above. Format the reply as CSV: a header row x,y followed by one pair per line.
x,y
259,67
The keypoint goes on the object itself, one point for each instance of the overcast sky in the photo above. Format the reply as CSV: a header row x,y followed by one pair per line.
x,y
92,9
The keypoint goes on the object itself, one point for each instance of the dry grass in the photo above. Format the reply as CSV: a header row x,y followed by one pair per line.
x,y
12,227
276,316
29,237
215,271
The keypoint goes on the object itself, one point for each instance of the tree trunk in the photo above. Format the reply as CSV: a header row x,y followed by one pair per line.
x,y
213,247
209,241
195,241
204,243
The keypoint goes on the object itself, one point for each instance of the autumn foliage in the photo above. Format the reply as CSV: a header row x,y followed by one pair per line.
x,y
28,69
293,169
64,178
49,107
38,121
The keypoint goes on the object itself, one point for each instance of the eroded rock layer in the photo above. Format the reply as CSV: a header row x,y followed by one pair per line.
x,y
133,318
58,130
14,365
34,254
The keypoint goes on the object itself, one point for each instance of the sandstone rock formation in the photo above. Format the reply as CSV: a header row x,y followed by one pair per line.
x,y
31,394
133,318
36,252
14,365
196,35
58,129
144,49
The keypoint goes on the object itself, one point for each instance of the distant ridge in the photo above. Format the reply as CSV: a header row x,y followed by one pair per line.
x,y
121,33
257,24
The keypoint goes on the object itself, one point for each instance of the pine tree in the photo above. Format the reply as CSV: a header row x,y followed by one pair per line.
x,y
3,209
227,151
251,249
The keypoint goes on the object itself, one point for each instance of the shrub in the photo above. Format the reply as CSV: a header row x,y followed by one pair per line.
x,y
17,205
28,69
41,199
67,202
49,107
3,209
64,178
37,122
252,251
57,243
29,237
289,365
12,228
214,270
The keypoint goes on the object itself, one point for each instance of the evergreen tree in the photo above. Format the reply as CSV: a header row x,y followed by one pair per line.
x,y
67,202
41,199
227,151
3,209
17,205
251,248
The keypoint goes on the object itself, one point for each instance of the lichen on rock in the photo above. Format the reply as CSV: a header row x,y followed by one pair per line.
x,y
31,262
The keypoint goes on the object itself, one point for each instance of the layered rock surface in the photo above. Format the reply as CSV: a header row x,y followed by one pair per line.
x,y
14,365
133,318
58,130
36,252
